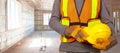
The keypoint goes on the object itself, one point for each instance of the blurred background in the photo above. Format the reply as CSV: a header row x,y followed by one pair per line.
x,y
24,26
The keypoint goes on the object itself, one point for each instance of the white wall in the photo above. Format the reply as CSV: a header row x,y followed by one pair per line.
x,y
17,23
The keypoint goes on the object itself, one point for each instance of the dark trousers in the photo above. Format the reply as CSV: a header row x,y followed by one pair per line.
x,y
79,52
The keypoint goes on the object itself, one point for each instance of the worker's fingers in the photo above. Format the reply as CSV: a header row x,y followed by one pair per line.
x,y
98,46
80,34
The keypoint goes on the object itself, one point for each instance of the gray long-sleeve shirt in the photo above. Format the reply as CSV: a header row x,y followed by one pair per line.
x,y
75,46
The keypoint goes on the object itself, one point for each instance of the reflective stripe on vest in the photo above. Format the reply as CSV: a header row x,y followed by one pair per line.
x,y
69,13
64,39
94,15
65,3
94,9
65,21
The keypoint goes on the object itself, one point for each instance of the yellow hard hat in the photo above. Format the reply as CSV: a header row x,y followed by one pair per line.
x,y
97,31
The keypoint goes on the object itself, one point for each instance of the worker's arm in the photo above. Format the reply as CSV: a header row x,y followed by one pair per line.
x,y
55,18
58,27
105,18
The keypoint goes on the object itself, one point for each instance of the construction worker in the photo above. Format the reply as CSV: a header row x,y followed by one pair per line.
x,y
67,15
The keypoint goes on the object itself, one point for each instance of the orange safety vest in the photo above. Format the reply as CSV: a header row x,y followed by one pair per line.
x,y
90,10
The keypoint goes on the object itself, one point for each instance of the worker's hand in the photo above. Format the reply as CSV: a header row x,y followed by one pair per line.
x,y
79,36
113,42
68,32
105,44
101,43
75,33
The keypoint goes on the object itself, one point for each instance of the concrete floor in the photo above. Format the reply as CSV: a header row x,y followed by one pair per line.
x,y
49,43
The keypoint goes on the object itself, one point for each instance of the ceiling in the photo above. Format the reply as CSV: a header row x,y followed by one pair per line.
x,y
34,3
40,4
47,4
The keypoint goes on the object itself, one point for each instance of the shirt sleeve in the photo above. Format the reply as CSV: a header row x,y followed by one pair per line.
x,y
54,22
105,16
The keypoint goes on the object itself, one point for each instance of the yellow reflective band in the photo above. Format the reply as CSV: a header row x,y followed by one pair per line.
x,y
94,8
64,39
93,22
65,22
64,8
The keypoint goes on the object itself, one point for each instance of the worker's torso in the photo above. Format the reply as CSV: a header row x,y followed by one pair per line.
x,y
78,13
80,46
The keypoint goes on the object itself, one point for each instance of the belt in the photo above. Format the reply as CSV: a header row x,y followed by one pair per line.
x,y
78,23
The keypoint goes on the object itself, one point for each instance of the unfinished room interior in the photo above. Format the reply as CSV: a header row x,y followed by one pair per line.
x,y
24,26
